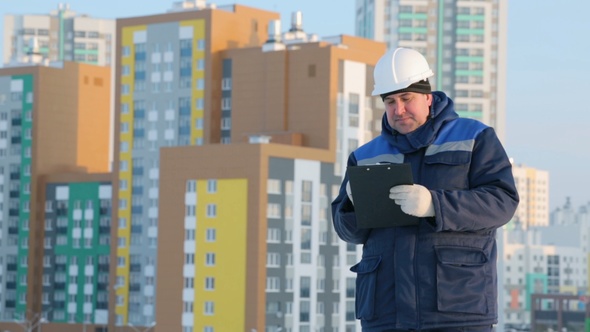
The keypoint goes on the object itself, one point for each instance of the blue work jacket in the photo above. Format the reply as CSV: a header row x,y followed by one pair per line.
x,y
442,272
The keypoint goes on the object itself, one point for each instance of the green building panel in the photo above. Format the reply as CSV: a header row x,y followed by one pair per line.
x,y
80,238
536,283
25,141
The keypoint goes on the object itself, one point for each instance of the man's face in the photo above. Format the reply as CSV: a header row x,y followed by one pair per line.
x,y
407,111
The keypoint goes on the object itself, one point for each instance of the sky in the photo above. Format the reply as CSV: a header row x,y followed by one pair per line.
x,y
548,66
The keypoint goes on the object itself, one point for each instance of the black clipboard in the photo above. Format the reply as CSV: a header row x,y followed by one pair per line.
x,y
370,186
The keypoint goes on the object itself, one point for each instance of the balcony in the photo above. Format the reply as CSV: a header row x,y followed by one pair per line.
x,y
137,210
136,229
58,305
59,285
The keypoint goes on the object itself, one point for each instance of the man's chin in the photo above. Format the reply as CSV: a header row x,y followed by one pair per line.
x,y
404,129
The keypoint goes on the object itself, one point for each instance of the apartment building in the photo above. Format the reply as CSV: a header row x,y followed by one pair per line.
x,y
53,119
533,264
533,188
165,96
61,35
464,42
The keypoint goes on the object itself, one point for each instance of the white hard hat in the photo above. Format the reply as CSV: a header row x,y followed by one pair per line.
x,y
399,68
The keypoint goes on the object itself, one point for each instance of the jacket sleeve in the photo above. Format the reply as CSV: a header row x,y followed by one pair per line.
x,y
343,216
492,198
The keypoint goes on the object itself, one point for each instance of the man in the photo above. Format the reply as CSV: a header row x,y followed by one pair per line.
x,y
441,274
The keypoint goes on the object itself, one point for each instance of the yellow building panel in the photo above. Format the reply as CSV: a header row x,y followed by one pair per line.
x,y
123,271
230,222
198,35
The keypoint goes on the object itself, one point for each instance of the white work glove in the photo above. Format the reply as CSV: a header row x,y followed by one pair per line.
x,y
414,200
349,192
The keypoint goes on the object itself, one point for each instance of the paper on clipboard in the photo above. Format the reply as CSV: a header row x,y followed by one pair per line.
x,y
370,186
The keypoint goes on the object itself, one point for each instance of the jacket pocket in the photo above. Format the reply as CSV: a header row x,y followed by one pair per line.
x,y
451,169
461,279
366,287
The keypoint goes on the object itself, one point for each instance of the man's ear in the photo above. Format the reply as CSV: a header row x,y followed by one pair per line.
x,y
429,99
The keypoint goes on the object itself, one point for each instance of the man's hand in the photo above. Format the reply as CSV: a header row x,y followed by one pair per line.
x,y
349,192
414,200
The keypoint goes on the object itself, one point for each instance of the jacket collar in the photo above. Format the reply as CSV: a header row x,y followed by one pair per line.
x,y
441,111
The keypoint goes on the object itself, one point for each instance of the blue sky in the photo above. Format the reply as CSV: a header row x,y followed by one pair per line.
x,y
548,118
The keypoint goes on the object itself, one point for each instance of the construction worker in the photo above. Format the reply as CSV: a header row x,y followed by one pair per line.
x,y
439,275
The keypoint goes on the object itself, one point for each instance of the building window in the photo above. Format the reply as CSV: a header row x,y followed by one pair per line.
x,y
209,308
212,186
211,210
226,123
199,104
201,44
200,84
191,186
273,186
273,284
273,235
209,283
210,259
306,187
226,104
189,283
273,211
273,259
211,235
226,83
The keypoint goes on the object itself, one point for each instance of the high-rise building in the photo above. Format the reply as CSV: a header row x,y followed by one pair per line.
x,y
168,94
76,248
464,42
52,120
533,188
62,35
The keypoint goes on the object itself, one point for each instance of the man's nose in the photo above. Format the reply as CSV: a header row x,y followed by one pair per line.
x,y
399,109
